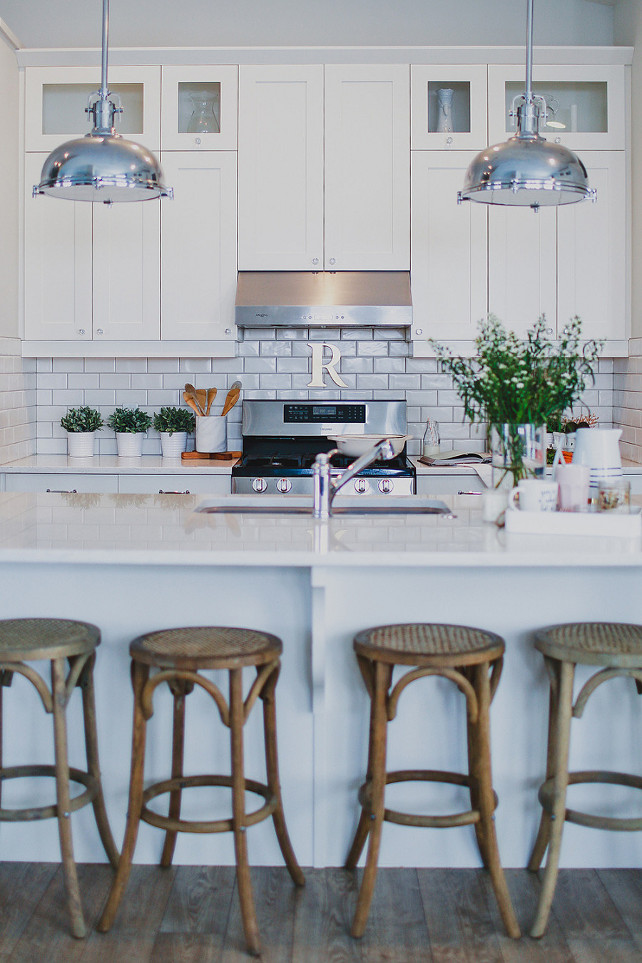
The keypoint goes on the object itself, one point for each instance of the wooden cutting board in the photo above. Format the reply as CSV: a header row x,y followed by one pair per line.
x,y
211,455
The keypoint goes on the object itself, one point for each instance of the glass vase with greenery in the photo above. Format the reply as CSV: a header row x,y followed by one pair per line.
x,y
512,382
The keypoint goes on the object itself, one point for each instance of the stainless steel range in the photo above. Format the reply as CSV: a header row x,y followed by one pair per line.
x,y
282,438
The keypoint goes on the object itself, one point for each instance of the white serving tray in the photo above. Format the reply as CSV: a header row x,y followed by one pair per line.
x,y
575,523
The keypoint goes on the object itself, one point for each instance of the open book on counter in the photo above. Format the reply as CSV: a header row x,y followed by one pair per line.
x,y
445,458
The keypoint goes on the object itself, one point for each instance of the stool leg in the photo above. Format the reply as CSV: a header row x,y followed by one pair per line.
x,y
475,804
248,912
274,783
378,736
140,674
544,831
93,765
62,797
178,744
365,823
482,774
561,738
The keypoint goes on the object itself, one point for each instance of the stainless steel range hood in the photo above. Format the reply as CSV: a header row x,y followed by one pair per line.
x,y
323,299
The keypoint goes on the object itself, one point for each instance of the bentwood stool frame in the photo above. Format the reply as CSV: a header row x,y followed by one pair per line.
x,y
70,647
616,650
470,658
179,656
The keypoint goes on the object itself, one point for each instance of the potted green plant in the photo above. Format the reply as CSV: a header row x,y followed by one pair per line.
x,y
130,424
173,425
81,424
518,385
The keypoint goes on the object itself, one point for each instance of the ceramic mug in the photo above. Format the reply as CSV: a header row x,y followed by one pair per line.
x,y
574,481
534,495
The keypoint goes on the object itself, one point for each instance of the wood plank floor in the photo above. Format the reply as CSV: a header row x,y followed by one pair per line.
x,y
191,913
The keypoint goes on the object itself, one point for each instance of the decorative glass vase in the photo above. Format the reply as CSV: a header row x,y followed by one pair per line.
x,y
517,451
445,110
203,119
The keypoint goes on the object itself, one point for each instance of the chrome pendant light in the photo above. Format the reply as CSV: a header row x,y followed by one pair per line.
x,y
102,166
527,170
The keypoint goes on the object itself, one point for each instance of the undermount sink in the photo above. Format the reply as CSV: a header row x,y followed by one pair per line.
x,y
301,505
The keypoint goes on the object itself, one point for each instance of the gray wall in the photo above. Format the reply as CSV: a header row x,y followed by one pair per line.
x,y
300,22
9,178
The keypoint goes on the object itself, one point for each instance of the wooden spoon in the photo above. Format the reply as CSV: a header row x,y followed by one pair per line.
x,y
211,395
192,403
201,398
232,397
191,391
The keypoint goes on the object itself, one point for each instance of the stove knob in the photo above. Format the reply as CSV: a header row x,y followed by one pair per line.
x,y
386,485
283,485
361,485
259,484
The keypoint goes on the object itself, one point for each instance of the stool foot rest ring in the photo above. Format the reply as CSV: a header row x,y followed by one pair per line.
x,y
466,818
205,826
92,789
622,824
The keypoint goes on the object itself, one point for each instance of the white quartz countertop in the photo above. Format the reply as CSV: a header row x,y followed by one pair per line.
x,y
111,464
166,530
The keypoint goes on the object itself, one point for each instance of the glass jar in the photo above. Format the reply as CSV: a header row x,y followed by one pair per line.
x,y
203,119
431,439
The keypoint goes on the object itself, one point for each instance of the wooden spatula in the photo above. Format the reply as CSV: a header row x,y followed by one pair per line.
x,y
191,402
232,397
211,395
191,391
201,397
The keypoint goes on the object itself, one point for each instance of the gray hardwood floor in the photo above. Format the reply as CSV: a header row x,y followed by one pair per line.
x,y
191,913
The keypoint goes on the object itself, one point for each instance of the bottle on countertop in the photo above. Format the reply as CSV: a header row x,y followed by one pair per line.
x,y
431,439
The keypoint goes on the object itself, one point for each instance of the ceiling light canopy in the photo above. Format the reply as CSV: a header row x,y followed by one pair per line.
x,y
102,166
527,170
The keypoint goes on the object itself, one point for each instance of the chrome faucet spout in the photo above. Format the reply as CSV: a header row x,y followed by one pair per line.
x,y
325,489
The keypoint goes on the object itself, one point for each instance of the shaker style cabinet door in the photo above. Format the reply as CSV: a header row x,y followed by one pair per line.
x,y
449,251
198,243
280,168
57,264
448,107
367,171
199,108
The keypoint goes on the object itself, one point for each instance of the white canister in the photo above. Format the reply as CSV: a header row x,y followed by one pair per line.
x,y
211,433
130,443
173,443
80,444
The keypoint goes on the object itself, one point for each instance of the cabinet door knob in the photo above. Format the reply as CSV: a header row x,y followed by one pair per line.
x,y
315,260
100,331
333,260
81,332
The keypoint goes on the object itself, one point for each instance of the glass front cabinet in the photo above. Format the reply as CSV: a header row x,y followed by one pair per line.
x,y
448,107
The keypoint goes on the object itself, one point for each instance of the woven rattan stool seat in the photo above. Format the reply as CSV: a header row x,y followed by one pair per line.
x,y
428,644
32,639
617,644
206,647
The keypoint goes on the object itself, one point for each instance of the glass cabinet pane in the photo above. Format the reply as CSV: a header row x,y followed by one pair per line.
x,y
63,107
448,106
199,108
571,105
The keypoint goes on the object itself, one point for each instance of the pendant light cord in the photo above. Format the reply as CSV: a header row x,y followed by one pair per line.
x,y
529,51
103,76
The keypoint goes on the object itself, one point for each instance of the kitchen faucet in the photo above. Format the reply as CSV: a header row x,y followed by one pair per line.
x,y
325,489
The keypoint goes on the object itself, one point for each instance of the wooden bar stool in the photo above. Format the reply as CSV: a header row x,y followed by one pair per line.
x,y
470,658
617,649
180,655
70,647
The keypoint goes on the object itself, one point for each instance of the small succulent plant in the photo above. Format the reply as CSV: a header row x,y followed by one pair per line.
x,y
174,419
82,419
130,420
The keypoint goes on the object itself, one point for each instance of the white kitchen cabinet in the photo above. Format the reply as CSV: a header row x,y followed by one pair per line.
x,y
56,98
188,90
178,483
319,193
91,270
586,104
449,250
466,115
198,244
63,482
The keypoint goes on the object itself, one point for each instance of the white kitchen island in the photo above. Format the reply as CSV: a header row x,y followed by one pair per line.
x,y
134,563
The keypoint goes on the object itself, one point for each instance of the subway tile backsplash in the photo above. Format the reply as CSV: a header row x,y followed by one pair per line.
x,y
271,364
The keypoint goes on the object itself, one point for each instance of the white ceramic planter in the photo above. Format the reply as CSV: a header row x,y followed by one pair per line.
x,y
173,443
80,444
130,443
211,433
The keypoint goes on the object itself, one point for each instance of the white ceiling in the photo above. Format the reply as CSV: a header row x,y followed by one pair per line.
x,y
213,23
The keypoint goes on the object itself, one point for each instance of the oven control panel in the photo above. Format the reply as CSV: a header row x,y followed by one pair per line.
x,y
324,414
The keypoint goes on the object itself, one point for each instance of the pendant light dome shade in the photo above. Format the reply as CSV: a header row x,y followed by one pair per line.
x,y
102,166
526,170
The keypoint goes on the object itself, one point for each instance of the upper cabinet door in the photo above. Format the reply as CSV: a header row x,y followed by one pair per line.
x,y
367,167
56,98
592,259
200,108
198,228
280,167
585,105
449,107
